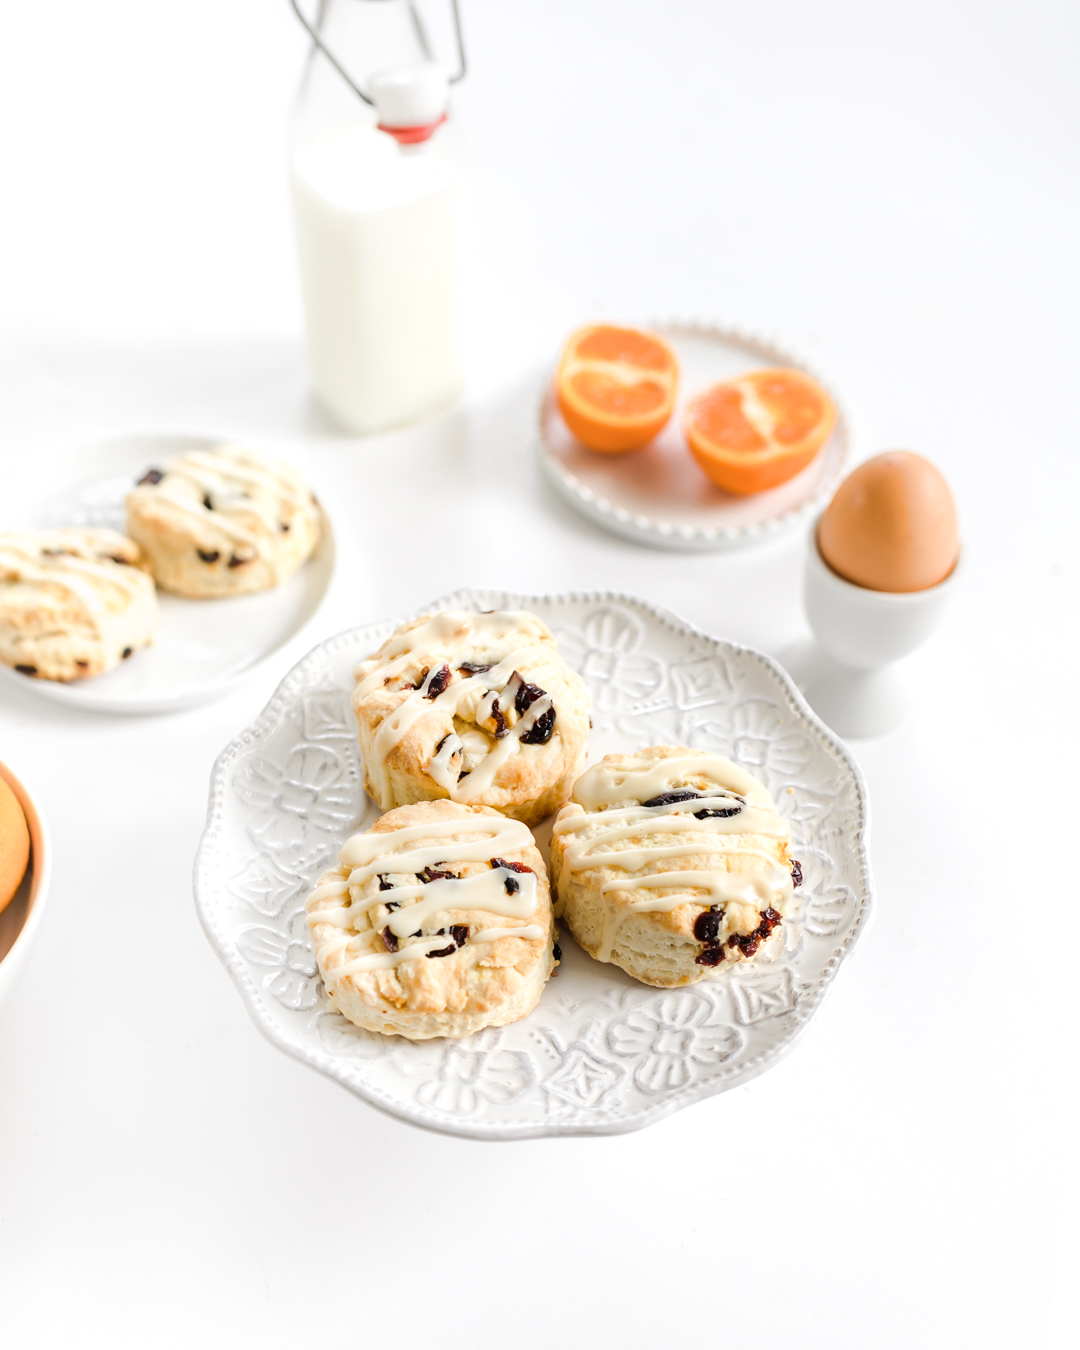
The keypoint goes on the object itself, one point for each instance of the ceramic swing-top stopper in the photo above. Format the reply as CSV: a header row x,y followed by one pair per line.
x,y
411,98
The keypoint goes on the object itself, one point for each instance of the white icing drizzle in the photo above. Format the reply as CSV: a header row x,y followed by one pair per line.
x,y
662,820
231,464
760,887
482,890
235,480
241,533
52,559
362,851
604,786
439,769
475,742
529,930
387,853
450,639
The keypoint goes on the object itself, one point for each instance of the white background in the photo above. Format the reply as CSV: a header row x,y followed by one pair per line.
x,y
890,187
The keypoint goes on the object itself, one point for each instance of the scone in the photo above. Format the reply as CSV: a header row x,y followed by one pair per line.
x,y
73,602
223,522
436,922
672,864
479,708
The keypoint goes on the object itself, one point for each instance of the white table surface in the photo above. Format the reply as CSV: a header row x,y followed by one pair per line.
x,y
893,189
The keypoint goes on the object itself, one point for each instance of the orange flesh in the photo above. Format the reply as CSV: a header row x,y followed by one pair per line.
x,y
792,419
623,344
612,396
719,418
616,386
795,409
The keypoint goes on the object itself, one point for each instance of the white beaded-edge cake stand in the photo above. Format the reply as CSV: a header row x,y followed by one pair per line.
x,y
658,495
601,1053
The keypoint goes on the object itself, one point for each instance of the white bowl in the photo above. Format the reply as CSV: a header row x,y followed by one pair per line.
x,y
21,920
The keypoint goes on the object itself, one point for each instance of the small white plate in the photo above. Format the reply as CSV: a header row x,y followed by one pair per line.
x,y
657,495
204,648
601,1053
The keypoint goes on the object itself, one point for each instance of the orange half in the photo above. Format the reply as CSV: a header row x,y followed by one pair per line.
x,y
616,386
758,431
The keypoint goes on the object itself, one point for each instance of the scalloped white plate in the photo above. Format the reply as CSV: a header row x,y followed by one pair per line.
x,y
204,648
657,495
600,1054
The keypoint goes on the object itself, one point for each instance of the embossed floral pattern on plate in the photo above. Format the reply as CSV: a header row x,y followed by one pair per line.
x,y
600,1053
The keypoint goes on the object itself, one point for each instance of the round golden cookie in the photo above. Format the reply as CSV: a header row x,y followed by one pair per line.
x,y
73,602
436,922
14,844
477,708
672,864
223,522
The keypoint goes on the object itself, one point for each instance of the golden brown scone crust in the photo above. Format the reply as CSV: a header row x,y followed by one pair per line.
x,y
532,783
660,947
482,984
223,522
74,602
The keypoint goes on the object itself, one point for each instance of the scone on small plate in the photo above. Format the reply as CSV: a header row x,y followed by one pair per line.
x,y
225,521
673,864
479,708
436,922
73,602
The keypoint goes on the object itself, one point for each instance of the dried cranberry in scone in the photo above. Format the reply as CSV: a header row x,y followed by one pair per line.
x,y
673,864
417,934
223,520
474,707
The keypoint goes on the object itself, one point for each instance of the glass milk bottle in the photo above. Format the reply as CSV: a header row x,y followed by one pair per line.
x,y
373,180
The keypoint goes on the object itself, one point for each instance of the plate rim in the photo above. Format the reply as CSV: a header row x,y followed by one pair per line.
x,y
66,694
641,1118
659,533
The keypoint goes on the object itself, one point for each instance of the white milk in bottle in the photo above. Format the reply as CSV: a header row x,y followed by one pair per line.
x,y
374,205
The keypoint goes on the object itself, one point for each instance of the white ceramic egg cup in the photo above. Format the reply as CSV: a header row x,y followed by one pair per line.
x,y
846,673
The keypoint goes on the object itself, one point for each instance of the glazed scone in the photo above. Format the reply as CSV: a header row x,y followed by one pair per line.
x,y
73,602
223,522
479,708
436,922
672,864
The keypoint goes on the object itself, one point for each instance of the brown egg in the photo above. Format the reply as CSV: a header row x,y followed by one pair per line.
x,y
892,525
